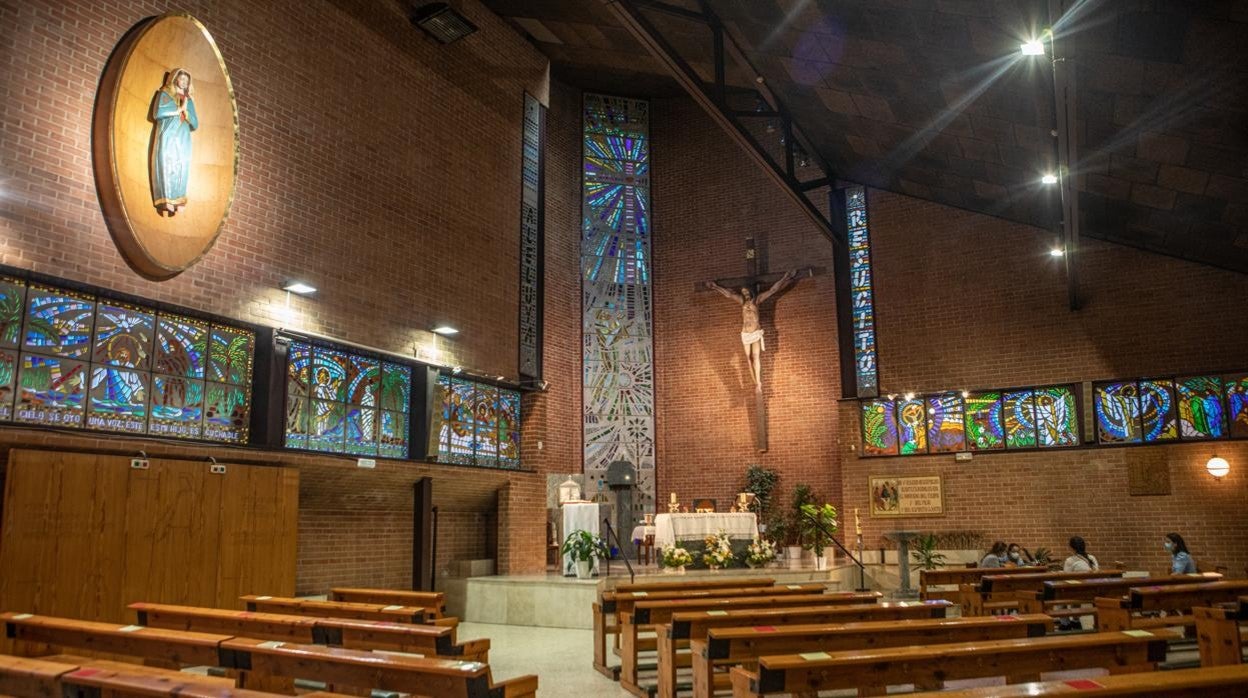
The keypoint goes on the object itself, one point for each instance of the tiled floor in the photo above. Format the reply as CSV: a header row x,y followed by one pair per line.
x,y
562,658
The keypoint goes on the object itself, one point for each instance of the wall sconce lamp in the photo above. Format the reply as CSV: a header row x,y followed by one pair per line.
x,y
1218,467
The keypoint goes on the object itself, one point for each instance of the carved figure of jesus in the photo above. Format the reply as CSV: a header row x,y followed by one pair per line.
x,y
752,339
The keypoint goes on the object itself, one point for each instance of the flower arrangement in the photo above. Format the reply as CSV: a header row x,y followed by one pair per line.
x,y
718,551
760,552
675,556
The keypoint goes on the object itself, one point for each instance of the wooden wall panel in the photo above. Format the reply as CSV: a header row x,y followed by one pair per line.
x,y
83,534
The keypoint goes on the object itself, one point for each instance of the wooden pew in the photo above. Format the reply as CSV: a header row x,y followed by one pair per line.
x,y
175,647
1000,592
359,669
1085,591
1215,682
726,647
652,614
335,609
957,576
434,602
309,630
932,665
698,627
1219,634
616,605
423,676
1120,613
40,678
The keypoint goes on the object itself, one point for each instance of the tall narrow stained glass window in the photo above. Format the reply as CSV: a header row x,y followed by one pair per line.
x,y
861,293
617,359
532,206
342,402
68,358
479,424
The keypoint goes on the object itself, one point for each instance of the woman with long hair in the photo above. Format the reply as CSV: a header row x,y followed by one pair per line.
x,y
1079,560
995,556
1181,561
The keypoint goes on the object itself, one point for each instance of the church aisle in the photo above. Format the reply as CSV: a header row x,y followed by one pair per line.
x,y
560,657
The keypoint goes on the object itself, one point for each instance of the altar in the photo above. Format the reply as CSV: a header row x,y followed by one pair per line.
x,y
581,516
673,528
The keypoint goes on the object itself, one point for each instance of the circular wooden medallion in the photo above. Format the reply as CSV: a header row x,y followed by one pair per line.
x,y
165,145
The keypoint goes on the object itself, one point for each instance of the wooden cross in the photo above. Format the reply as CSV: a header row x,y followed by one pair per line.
x,y
754,280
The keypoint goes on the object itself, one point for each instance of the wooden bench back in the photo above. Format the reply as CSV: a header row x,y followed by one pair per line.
x,y
1211,682
434,602
695,625
623,602
998,584
335,609
1113,586
689,584
965,575
38,678
1138,650
175,646
1185,596
658,612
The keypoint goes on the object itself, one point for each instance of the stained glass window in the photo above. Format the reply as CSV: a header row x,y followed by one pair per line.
x,y
984,428
946,426
1018,409
532,209
1237,405
70,359
618,403
342,402
480,424
861,294
1158,412
1057,417
1201,412
911,426
879,428
1117,410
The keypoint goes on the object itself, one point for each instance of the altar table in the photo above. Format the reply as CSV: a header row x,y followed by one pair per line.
x,y
640,533
670,528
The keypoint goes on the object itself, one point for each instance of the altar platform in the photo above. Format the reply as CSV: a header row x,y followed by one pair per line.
x,y
555,601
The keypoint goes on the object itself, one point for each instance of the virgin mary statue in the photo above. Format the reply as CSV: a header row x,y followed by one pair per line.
x,y
173,110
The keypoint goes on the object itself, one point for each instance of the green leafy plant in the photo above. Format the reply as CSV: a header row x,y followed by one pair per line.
x,y
818,523
793,524
1042,556
584,546
925,553
762,483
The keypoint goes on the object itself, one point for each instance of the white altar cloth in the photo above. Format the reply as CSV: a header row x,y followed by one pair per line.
x,y
584,516
640,533
670,528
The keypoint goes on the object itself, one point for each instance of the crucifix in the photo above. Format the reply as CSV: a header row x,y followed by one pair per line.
x,y
752,334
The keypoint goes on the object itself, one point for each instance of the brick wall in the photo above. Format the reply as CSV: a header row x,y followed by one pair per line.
x,y
374,163
708,197
967,301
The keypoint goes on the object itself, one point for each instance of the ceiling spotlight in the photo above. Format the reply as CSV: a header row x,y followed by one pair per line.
x,y
965,394
445,330
1056,252
909,396
771,126
441,22
1049,179
456,370
299,288
1035,47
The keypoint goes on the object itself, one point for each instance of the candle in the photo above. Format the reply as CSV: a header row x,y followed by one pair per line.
x,y
857,522
673,499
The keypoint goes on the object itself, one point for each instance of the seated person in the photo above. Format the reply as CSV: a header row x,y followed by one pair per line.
x,y
995,557
1181,561
1080,560
1017,556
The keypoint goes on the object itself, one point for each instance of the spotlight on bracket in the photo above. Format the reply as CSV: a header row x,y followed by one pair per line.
x,y
299,288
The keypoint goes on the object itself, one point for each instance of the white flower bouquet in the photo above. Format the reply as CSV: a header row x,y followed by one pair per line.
x,y
675,556
718,551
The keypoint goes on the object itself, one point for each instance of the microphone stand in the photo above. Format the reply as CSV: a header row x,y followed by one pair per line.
x,y
862,571
632,576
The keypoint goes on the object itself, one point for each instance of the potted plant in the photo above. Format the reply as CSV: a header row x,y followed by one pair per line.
x,y
674,558
759,553
718,552
793,527
818,523
761,482
584,547
925,554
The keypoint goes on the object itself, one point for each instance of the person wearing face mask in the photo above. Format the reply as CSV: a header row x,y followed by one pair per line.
x,y
995,557
1181,561
1017,556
